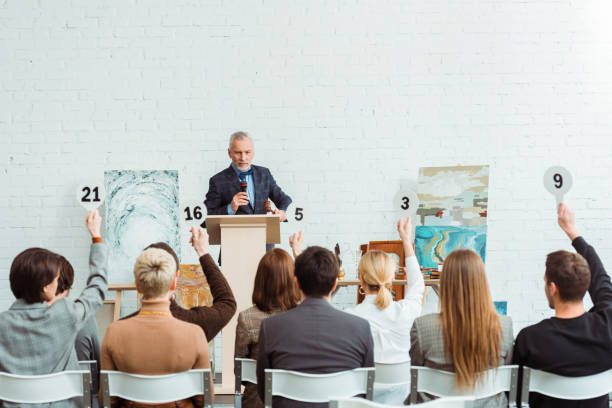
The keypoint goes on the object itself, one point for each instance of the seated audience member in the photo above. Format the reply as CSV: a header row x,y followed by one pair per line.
x,y
153,342
38,331
210,318
87,343
390,321
275,291
467,336
573,343
313,337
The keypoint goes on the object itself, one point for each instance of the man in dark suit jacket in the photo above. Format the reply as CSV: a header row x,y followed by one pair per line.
x,y
224,196
314,337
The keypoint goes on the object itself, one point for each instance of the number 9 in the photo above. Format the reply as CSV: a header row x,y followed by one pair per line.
x,y
558,180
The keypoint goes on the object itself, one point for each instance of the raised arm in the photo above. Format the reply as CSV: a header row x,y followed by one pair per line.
x,y
600,288
210,318
296,241
92,297
415,285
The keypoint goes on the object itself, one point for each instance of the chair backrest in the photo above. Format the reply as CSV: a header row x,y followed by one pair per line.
x,y
392,373
92,367
446,402
442,383
244,370
155,389
49,387
568,388
318,387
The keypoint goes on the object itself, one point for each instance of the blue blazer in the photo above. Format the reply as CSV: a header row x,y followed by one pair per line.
x,y
225,185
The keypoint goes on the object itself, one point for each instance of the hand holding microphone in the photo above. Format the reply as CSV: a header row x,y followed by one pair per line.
x,y
240,198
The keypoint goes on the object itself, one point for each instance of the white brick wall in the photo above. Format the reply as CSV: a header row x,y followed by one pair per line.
x,y
345,99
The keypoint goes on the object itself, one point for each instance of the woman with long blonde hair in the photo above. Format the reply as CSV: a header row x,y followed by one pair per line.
x,y
467,336
390,321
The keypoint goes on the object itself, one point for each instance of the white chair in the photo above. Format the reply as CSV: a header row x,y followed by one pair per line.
x,y
392,373
442,383
446,402
568,388
244,370
318,387
155,389
48,387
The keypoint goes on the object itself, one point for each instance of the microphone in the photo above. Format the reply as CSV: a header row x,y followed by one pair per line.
x,y
243,185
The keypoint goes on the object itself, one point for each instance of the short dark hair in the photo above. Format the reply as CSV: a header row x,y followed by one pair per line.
x,y
66,278
167,248
275,288
31,271
570,272
316,270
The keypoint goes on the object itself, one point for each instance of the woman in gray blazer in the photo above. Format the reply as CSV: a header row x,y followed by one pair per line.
x,y
467,337
38,331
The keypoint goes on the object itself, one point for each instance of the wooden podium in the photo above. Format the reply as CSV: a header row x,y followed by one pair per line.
x,y
243,240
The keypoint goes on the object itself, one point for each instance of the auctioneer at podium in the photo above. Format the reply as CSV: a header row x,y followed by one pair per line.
x,y
243,240
243,188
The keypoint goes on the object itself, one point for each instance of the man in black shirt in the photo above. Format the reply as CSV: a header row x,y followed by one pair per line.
x,y
574,343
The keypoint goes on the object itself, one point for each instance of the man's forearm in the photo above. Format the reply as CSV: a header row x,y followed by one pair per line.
x,y
600,288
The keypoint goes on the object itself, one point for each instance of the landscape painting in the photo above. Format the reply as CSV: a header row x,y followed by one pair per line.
x,y
453,195
141,208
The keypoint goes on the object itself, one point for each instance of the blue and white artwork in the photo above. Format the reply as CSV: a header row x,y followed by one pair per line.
x,y
433,244
141,208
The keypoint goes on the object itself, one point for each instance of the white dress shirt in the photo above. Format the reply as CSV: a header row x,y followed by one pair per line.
x,y
391,327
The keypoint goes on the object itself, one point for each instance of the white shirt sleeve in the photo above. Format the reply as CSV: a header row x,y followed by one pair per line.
x,y
413,297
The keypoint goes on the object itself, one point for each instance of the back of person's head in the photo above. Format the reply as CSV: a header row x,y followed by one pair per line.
x,y
471,327
377,269
570,273
168,249
154,273
275,287
316,270
66,278
31,271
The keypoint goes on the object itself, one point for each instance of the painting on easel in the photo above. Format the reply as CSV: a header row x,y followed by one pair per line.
x,y
141,208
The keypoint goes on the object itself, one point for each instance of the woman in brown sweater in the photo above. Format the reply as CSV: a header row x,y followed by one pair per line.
x,y
177,346
275,291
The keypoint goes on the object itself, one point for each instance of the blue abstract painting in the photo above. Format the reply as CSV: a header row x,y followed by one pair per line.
x,y
141,208
501,307
434,243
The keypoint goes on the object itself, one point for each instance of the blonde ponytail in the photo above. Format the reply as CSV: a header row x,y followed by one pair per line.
x,y
383,298
377,270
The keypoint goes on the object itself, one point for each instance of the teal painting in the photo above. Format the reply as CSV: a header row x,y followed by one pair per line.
x,y
434,243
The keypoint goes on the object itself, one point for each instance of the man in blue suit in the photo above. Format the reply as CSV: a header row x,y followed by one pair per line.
x,y
224,195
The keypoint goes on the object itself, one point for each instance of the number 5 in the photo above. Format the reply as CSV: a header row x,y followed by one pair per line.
x,y
298,214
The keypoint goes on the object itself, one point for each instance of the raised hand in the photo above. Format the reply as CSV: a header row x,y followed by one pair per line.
x,y
404,228
565,218
199,241
295,242
93,222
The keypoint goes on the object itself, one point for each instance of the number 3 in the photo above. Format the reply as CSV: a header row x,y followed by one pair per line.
x,y
405,203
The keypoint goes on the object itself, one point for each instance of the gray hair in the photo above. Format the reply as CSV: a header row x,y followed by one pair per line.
x,y
240,135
